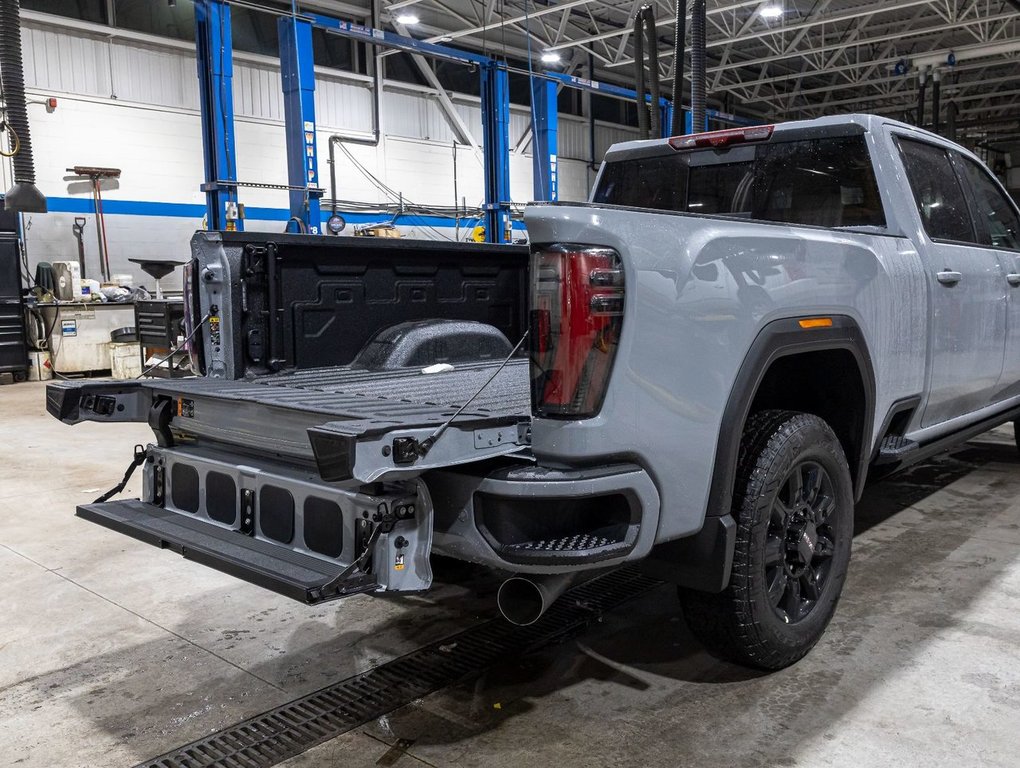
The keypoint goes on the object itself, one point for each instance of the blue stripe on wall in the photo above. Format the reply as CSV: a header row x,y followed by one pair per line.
x,y
197,211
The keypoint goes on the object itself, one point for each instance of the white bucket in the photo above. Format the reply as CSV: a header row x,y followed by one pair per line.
x,y
125,361
40,368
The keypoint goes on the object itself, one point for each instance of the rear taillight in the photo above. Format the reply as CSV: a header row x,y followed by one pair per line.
x,y
192,314
577,298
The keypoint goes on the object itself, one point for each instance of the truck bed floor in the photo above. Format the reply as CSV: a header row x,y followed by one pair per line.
x,y
343,393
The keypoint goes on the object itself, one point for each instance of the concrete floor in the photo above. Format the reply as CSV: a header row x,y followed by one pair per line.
x,y
112,652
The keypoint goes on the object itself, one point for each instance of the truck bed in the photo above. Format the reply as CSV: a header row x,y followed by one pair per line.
x,y
346,393
273,413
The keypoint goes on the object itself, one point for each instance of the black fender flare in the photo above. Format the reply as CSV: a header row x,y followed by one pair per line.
x,y
703,561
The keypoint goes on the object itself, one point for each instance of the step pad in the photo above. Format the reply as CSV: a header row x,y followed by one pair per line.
x,y
268,565
894,448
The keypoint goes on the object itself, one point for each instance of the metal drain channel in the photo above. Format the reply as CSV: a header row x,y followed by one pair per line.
x,y
274,736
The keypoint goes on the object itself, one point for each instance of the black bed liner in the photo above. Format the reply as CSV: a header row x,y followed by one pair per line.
x,y
346,393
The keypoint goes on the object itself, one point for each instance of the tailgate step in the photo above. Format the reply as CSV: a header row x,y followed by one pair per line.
x,y
273,567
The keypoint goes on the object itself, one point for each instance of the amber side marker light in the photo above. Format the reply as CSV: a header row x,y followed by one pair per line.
x,y
816,322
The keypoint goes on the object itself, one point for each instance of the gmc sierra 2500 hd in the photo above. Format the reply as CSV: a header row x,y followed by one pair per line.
x,y
726,341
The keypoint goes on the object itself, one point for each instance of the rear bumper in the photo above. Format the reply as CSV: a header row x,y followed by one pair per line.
x,y
530,519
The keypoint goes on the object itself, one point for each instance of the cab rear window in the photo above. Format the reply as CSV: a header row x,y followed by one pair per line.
x,y
824,182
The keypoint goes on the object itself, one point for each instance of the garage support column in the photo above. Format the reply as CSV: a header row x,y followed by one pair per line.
x,y
214,49
544,138
297,70
496,149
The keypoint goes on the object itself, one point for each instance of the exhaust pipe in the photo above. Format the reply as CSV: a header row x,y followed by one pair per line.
x,y
24,195
523,601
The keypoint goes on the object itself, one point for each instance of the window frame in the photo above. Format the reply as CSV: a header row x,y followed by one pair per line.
x,y
789,137
899,139
980,220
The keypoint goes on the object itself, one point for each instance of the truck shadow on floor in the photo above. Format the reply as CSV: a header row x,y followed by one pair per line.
x,y
638,687
638,672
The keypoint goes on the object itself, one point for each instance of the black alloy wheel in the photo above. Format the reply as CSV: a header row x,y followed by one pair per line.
x,y
793,506
800,542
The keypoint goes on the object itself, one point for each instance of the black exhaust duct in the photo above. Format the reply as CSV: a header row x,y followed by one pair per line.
x,y
24,195
951,113
652,44
679,43
698,25
922,84
935,103
639,73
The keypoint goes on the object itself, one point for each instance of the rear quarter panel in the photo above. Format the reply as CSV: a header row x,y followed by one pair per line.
x,y
698,291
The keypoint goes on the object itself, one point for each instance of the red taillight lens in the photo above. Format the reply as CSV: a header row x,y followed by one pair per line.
x,y
577,299
720,139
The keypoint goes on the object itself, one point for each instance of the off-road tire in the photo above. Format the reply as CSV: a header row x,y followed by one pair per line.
x,y
740,623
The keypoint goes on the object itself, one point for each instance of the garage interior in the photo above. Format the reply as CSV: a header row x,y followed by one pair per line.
x,y
441,120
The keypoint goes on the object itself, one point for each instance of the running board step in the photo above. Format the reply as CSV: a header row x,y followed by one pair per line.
x,y
894,449
273,567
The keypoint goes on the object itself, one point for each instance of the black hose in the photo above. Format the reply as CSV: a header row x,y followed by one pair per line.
x,y
920,102
651,42
679,42
24,195
639,76
698,97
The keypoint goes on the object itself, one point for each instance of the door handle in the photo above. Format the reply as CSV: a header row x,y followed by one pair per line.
x,y
948,277
1013,279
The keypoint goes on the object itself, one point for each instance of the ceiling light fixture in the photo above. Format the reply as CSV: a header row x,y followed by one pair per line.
x,y
550,57
771,12
407,18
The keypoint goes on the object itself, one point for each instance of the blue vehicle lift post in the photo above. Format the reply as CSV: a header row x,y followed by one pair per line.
x,y
297,74
496,143
544,137
214,52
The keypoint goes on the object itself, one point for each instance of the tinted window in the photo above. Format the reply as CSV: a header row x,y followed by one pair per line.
x,y
819,182
649,182
992,208
87,10
937,192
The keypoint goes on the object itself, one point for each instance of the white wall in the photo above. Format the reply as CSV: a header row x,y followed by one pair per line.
x,y
133,104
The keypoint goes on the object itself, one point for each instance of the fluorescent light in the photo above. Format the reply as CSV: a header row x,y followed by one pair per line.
x,y
550,57
407,18
771,12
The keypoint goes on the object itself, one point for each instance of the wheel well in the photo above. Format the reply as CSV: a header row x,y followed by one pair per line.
x,y
827,383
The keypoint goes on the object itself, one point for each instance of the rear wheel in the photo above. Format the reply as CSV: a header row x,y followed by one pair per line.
x,y
1016,433
793,504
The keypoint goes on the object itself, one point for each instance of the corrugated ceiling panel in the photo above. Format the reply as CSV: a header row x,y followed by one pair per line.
x,y
258,92
56,61
606,136
416,117
343,105
154,76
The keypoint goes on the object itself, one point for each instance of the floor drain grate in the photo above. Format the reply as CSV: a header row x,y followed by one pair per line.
x,y
281,733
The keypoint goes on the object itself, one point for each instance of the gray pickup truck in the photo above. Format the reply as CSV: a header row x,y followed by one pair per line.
x,y
697,370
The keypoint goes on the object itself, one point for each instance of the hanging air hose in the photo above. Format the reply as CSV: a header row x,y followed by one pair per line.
x,y
639,64
698,24
651,43
24,195
679,41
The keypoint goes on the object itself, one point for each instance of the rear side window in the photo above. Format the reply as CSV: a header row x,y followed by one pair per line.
x,y
937,192
827,182
649,182
994,211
